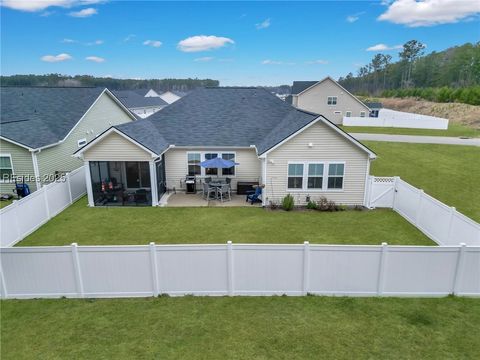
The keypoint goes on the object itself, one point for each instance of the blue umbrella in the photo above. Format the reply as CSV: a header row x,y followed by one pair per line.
x,y
218,163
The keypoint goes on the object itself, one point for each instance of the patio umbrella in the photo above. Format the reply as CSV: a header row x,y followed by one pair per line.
x,y
218,163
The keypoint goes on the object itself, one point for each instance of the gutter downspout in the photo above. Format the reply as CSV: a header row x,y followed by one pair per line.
x,y
36,171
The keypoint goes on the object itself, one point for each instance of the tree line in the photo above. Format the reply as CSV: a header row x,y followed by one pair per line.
x,y
110,83
445,76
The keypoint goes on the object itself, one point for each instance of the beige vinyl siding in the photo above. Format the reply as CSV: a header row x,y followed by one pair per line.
x,y
315,100
115,147
176,166
104,114
22,165
328,145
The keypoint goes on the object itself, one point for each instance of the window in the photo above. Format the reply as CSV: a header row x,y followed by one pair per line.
x,y
332,100
194,160
335,176
6,167
295,176
315,176
228,171
362,113
81,142
348,114
211,171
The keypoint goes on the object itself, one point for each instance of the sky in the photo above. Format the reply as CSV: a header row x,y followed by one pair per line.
x,y
237,43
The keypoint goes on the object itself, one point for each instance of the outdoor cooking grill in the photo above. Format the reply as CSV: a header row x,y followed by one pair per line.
x,y
191,184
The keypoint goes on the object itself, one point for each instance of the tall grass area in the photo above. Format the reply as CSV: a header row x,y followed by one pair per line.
x,y
449,173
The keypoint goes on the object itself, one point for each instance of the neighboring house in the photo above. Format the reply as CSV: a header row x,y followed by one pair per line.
x,y
147,92
142,106
328,98
285,149
374,107
41,127
171,96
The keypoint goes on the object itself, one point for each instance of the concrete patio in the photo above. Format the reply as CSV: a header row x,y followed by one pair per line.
x,y
181,199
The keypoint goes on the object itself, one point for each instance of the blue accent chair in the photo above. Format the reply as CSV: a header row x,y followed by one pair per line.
x,y
253,196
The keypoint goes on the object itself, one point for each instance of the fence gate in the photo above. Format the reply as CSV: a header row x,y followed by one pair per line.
x,y
381,192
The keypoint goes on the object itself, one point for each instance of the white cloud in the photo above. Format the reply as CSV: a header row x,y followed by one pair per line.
x,y
129,37
68,41
383,47
95,59
153,43
414,13
204,59
203,43
96,42
56,58
354,17
264,24
276,62
319,61
39,5
83,13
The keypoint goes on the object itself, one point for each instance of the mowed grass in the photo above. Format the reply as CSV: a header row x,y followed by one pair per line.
x,y
454,130
5,203
449,173
241,328
128,226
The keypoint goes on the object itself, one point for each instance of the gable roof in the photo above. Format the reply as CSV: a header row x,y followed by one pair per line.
x,y
222,117
37,117
299,86
132,99
374,105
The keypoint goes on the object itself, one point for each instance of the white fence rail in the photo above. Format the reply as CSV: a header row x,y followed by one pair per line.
x,y
400,119
24,216
231,269
443,224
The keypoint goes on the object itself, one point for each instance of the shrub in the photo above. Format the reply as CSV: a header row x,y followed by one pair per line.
x,y
328,205
273,205
322,204
288,203
311,205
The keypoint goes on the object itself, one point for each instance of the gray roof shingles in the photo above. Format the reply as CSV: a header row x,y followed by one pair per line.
x,y
299,86
41,116
220,117
132,99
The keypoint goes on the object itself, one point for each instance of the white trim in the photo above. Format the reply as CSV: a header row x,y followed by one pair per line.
x,y
16,143
80,152
11,167
153,183
36,171
329,124
88,182
324,176
366,187
340,86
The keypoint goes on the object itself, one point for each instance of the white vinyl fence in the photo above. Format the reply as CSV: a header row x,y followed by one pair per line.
x,y
24,216
399,119
441,223
151,270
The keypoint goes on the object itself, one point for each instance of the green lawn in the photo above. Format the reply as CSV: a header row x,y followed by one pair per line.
x,y
241,328
449,173
454,130
126,226
5,203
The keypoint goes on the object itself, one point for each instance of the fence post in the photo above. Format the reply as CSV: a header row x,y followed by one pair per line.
x,y
3,287
45,197
230,268
450,223
153,262
381,269
459,268
418,213
17,223
67,177
77,270
306,267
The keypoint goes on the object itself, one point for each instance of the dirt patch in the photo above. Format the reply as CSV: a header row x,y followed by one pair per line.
x,y
459,113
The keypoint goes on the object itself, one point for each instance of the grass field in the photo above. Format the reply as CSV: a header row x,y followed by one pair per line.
x,y
5,203
454,130
123,226
241,328
449,173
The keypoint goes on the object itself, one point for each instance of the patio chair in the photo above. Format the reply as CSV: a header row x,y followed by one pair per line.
x,y
208,191
228,180
223,192
141,196
254,196
207,180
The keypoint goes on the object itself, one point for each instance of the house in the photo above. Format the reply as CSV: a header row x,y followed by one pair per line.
x,y
171,96
375,108
41,127
287,150
142,106
328,98
146,92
